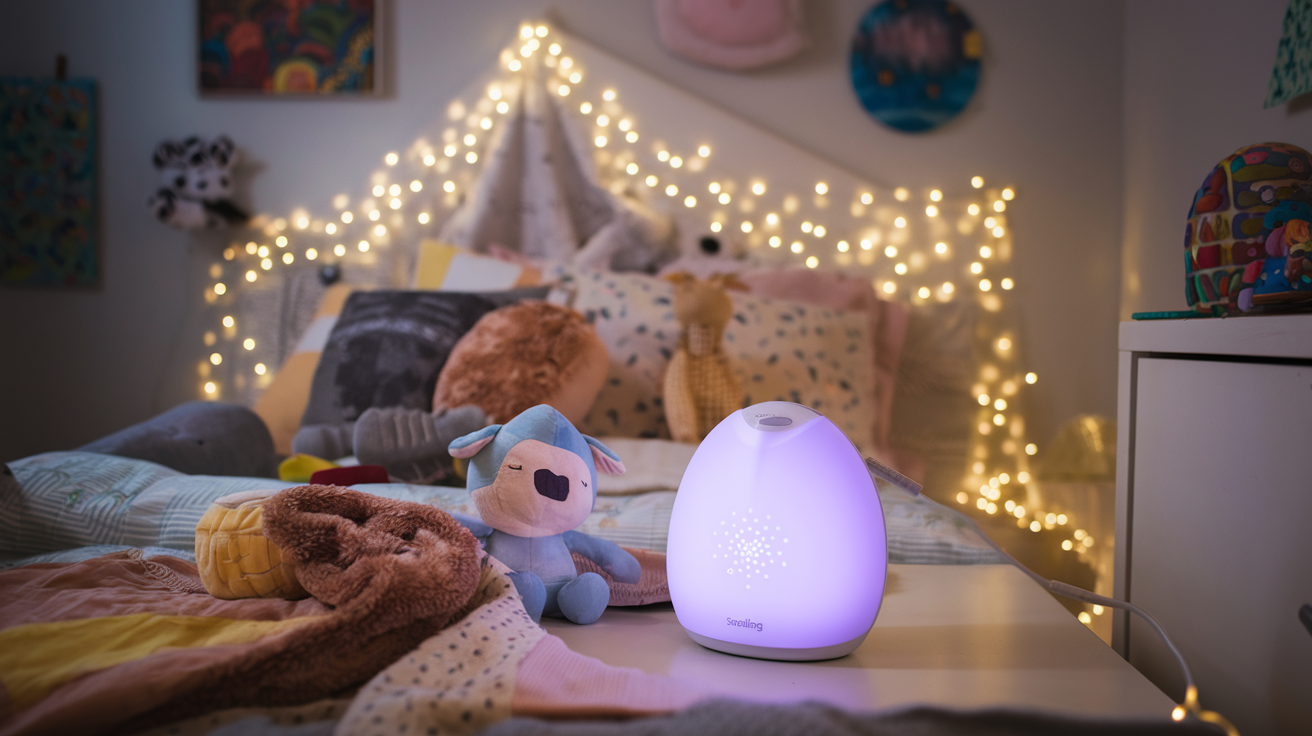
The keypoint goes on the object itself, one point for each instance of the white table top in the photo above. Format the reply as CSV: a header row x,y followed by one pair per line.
x,y
968,636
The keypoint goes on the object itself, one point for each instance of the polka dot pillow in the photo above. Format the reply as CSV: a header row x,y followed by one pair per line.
x,y
780,350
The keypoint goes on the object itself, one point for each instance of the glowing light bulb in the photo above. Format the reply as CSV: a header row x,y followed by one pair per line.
x,y
772,219
380,231
758,188
806,227
395,204
554,49
797,246
651,181
900,222
450,151
999,206
812,262
940,248
379,190
890,251
746,227
901,194
541,31
985,251
1008,283
867,198
901,269
625,124
963,497
976,267
821,188
1085,618
603,120
703,151
251,276
1004,343
689,201
775,242
1061,519
985,284
977,181
215,358
931,211
631,169
374,215
990,222
1008,194
608,95
998,231
391,159
416,185
211,388
263,252
1031,449
339,250
261,369
526,32
999,420
287,258
515,65
330,228
935,195
1031,377
1066,545
503,107
671,190
889,287
973,209
311,254
676,162
566,62
716,227
363,246
983,399
485,123
600,141
923,292
662,155
248,343
575,78
448,186
1000,404
1022,477
631,136
563,90
585,108
423,218
947,287
471,157
819,230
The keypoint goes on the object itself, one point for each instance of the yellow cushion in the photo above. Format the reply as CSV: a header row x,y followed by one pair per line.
x,y
299,468
234,558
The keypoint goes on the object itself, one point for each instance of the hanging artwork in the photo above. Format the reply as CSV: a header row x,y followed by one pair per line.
x,y
288,48
915,63
1292,74
732,34
48,182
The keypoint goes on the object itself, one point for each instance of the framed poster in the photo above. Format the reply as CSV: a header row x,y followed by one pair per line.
x,y
48,202
288,47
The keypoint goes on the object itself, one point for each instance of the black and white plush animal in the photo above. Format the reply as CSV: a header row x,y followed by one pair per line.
x,y
196,184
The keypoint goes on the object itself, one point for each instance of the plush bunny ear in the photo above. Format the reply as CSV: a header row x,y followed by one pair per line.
x,y
469,445
605,458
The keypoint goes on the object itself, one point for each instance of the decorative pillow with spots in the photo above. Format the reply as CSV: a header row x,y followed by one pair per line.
x,y
780,350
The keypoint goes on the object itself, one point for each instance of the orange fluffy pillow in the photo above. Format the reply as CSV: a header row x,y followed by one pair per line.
x,y
522,355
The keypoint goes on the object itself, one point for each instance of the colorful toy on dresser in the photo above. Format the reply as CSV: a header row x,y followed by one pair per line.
x,y
533,480
1246,243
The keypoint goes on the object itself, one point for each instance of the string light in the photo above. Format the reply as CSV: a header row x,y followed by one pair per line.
x,y
886,229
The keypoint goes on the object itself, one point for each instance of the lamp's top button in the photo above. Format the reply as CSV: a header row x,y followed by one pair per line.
x,y
775,421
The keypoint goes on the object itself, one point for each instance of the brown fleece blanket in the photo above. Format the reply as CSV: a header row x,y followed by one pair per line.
x,y
154,646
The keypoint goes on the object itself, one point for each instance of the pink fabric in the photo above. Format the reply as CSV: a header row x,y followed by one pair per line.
x,y
731,34
556,682
834,290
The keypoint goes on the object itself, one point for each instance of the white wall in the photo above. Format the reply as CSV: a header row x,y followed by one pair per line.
x,y
1047,119
1195,80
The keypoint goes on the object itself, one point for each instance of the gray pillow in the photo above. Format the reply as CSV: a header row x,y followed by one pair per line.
x,y
388,347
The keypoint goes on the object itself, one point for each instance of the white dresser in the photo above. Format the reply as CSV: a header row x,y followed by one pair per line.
x,y
1214,511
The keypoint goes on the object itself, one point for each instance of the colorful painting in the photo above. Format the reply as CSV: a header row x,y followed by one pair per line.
x,y
288,47
915,63
48,182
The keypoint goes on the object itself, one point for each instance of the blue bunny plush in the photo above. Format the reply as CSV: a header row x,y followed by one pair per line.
x,y
533,479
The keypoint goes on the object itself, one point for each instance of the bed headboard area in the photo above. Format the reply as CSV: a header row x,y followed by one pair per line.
x,y
564,166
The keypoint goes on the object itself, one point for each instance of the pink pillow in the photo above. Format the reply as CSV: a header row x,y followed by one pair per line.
x,y
834,290
731,34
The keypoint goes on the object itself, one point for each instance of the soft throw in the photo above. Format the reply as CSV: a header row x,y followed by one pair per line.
x,y
119,642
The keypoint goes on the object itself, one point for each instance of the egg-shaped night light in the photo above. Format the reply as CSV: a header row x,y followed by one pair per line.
x,y
777,546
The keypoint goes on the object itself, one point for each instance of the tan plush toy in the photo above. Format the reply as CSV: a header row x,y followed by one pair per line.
x,y
700,386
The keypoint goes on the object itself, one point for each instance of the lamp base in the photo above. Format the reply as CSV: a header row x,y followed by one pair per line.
x,y
833,651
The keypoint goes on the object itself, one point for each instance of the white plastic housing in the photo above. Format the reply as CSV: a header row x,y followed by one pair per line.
x,y
777,547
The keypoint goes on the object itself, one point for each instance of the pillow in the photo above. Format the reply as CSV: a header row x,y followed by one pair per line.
x,y
523,355
887,322
780,350
284,401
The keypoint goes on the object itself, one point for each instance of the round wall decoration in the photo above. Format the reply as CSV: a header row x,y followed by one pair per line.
x,y
915,63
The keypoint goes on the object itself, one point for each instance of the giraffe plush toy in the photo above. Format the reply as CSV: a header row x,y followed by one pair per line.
x,y
700,386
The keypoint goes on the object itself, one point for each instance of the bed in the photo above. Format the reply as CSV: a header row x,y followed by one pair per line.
x,y
112,526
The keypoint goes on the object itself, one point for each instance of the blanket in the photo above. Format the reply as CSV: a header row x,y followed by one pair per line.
x,y
121,642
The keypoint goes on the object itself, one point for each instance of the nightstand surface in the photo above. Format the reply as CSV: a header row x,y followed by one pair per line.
x,y
967,637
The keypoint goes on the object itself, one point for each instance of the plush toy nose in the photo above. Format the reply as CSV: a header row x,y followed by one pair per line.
x,y
554,487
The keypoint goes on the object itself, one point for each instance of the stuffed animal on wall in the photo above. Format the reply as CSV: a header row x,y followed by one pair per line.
x,y
196,184
533,479
700,386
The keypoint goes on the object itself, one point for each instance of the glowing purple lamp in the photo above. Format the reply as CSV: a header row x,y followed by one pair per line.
x,y
777,547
